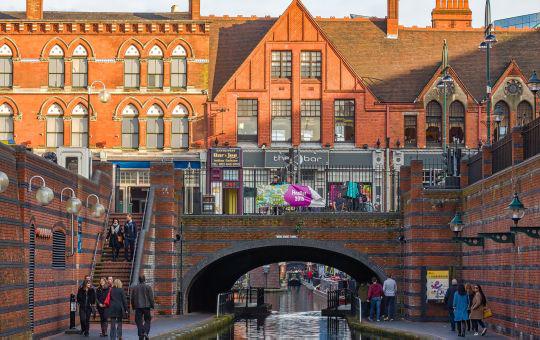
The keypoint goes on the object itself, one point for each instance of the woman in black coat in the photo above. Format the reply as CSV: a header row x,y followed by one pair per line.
x,y
101,295
115,236
117,309
86,298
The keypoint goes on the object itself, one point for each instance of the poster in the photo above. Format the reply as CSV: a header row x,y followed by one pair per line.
x,y
438,282
226,157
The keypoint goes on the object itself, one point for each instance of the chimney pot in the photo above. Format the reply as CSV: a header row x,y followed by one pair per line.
x,y
392,19
34,9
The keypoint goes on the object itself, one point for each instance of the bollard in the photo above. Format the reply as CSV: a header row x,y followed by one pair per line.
x,y
72,310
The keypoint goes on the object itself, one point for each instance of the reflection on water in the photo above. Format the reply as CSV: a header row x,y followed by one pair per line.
x,y
295,315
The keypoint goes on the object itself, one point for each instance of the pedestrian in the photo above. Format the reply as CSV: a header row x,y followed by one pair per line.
x,y
362,294
375,294
117,310
461,309
86,298
115,237
142,301
110,281
449,301
390,289
478,305
130,236
101,294
470,293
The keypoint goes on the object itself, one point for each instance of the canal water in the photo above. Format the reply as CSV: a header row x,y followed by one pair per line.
x,y
295,315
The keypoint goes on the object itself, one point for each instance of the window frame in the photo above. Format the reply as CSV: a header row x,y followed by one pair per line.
x,y
131,133
455,120
181,121
58,134
505,118
343,112
435,119
137,75
10,123
3,74
406,126
158,132
281,110
58,61
158,76
80,74
182,76
247,115
310,110
311,65
281,67
58,252
520,112
81,136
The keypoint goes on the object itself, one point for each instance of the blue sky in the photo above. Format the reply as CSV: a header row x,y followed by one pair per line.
x,y
412,12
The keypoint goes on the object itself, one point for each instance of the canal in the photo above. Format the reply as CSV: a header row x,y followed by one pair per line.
x,y
295,315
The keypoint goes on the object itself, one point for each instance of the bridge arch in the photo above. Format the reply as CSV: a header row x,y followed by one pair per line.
x,y
218,272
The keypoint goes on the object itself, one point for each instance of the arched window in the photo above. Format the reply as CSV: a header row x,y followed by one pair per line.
x,y
56,67
130,127
433,124
457,123
55,126
154,127
79,72
179,68
132,68
6,66
6,122
59,250
79,126
180,128
524,113
155,68
502,119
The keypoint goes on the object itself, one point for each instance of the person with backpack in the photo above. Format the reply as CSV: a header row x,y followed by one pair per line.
x,y
142,301
101,295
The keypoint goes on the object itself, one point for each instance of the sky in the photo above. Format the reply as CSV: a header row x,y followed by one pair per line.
x,y
412,12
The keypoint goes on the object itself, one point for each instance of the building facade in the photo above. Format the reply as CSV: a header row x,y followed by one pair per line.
x,y
521,21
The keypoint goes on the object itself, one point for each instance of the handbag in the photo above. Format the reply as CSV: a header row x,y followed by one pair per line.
x,y
107,301
120,238
487,313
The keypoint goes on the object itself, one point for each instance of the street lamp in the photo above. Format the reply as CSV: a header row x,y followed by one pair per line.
x,y
98,209
534,86
498,120
103,95
4,181
445,82
44,195
266,269
489,40
73,204
517,209
456,225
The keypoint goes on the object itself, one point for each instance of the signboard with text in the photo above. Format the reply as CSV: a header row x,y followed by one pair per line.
x,y
438,282
277,159
226,157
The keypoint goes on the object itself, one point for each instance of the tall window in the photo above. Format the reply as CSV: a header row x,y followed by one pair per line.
x,y
247,120
179,68
6,122
154,128
281,120
79,63
310,64
6,66
55,126
59,250
310,112
155,68
502,113
79,126
132,68
56,67
281,64
433,124
180,128
457,123
524,113
344,120
411,138
130,127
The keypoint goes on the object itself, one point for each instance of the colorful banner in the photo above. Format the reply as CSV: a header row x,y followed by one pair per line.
x,y
285,195
438,282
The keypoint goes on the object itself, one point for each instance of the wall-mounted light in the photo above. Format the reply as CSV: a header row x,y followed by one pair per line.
x,y
44,195
98,209
4,181
517,209
456,225
73,204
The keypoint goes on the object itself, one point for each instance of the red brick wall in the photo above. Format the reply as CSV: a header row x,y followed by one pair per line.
x,y
52,286
258,278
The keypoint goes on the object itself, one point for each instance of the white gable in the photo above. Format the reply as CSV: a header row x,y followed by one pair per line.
x,y
79,110
80,51
6,109
156,51
132,51
130,110
56,51
155,110
179,51
180,110
5,51
55,109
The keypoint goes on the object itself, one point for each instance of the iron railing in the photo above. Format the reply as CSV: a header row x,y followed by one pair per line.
x,y
501,153
248,297
341,297
136,261
531,138
475,165
225,303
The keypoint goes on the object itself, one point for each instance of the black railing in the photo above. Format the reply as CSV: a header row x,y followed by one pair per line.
x,y
501,153
531,138
475,164
248,297
341,297
225,303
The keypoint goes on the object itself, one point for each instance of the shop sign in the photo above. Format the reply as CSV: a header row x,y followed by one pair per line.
x,y
438,282
277,159
226,157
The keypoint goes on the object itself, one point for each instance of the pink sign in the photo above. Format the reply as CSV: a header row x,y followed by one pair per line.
x,y
298,196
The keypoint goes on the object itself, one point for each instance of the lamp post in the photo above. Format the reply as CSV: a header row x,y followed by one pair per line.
x,y
489,40
44,195
456,224
517,209
445,82
4,181
73,206
534,86
498,119
266,269
98,209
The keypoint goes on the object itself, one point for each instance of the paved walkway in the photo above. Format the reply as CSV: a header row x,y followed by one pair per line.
x,y
160,325
437,330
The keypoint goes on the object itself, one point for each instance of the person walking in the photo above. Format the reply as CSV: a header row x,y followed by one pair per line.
x,y
115,237
142,301
130,236
117,310
449,301
86,298
478,305
101,294
461,309
375,294
389,290
470,293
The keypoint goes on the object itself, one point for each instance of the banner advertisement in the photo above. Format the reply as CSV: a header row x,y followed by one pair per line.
x,y
285,195
438,282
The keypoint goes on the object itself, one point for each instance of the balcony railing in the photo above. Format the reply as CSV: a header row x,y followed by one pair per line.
x,y
502,154
475,168
531,139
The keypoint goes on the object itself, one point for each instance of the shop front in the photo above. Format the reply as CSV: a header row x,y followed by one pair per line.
x,y
225,180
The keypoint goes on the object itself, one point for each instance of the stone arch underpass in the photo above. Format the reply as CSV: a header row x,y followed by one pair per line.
x,y
217,273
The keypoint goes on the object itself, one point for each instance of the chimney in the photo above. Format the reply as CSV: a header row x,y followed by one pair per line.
x,y
392,19
34,9
195,9
451,14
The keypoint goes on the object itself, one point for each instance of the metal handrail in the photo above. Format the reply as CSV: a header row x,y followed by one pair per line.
x,y
139,242
98,239
100,235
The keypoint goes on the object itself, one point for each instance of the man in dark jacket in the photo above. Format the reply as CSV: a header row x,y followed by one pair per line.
x,y
130,234
142,300
449,301
86,298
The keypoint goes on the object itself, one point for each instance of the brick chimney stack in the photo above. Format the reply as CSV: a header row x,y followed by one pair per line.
x,y
34,9
392,19
451,14
195,9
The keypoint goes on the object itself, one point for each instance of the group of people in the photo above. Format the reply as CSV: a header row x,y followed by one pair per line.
x,y
122,237
377,294
109,299
467,307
